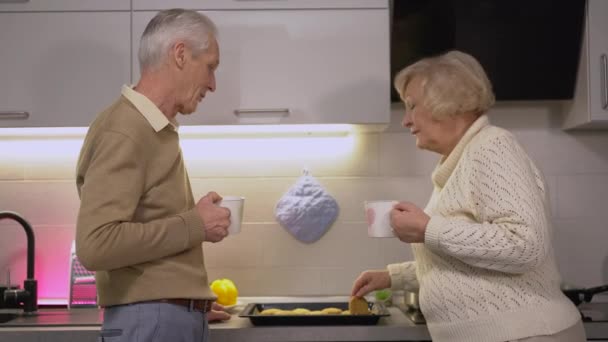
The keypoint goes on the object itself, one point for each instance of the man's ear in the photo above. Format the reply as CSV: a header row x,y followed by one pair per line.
x,y
179,54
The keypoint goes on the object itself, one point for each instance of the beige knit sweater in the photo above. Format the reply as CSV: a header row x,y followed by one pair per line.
x,y
486,271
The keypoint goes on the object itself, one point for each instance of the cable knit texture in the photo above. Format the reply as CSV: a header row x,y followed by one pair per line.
x,y
486,270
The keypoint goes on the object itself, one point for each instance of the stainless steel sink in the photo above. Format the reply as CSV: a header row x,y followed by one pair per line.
x,y
7,317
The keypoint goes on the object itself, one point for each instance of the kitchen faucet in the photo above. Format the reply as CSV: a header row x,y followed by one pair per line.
x,y
29,295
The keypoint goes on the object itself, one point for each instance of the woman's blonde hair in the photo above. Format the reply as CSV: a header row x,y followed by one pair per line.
x,y
452,83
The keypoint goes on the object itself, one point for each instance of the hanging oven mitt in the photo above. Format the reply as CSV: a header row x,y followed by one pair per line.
x,y
307,211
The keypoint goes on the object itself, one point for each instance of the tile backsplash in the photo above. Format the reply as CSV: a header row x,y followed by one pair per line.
x,y
36,180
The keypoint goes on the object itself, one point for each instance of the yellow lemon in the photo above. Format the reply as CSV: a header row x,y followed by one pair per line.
x,y
225,290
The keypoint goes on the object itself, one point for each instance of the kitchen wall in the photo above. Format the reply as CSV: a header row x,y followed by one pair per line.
x,y
36,179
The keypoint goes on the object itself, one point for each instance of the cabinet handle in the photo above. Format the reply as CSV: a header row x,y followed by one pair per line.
x,y
604,87
14,115
12,1
282,111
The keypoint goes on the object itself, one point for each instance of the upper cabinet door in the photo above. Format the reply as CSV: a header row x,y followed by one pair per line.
x,y
589,108
256,4
296,67
598,59
63,5
61,68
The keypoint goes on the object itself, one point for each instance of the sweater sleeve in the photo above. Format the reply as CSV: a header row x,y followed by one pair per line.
x,y
505,224
403,276
106,237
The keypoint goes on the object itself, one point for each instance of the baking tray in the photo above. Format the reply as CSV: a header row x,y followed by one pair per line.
x,y
252,311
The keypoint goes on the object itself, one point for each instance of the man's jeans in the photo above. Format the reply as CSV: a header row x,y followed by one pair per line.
x,y
153,322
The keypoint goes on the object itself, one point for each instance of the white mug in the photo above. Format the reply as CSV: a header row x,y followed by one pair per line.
x,y
379,218
235,204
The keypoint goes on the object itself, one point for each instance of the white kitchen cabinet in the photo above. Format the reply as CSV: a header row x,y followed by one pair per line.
x,y
589,109
63,5
295,67
61,68
256,4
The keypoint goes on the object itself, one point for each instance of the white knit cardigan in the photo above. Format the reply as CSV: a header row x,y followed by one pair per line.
x,y
486,270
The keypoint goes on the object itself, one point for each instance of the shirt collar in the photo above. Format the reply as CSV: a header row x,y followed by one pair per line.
x,y
148,109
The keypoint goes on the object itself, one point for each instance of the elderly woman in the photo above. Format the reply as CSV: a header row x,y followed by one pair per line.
x,y
484,264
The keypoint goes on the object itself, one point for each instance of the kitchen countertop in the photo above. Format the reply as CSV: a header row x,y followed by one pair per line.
x,y
83,324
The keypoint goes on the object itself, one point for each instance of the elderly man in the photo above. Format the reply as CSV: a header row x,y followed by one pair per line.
x,y
138,226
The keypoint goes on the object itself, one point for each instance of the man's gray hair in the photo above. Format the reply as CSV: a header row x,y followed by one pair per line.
x,y
170,26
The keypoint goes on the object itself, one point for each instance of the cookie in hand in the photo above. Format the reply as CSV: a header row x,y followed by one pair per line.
x,y
358,306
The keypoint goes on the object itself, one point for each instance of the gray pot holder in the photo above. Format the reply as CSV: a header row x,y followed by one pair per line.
x,y
306,211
